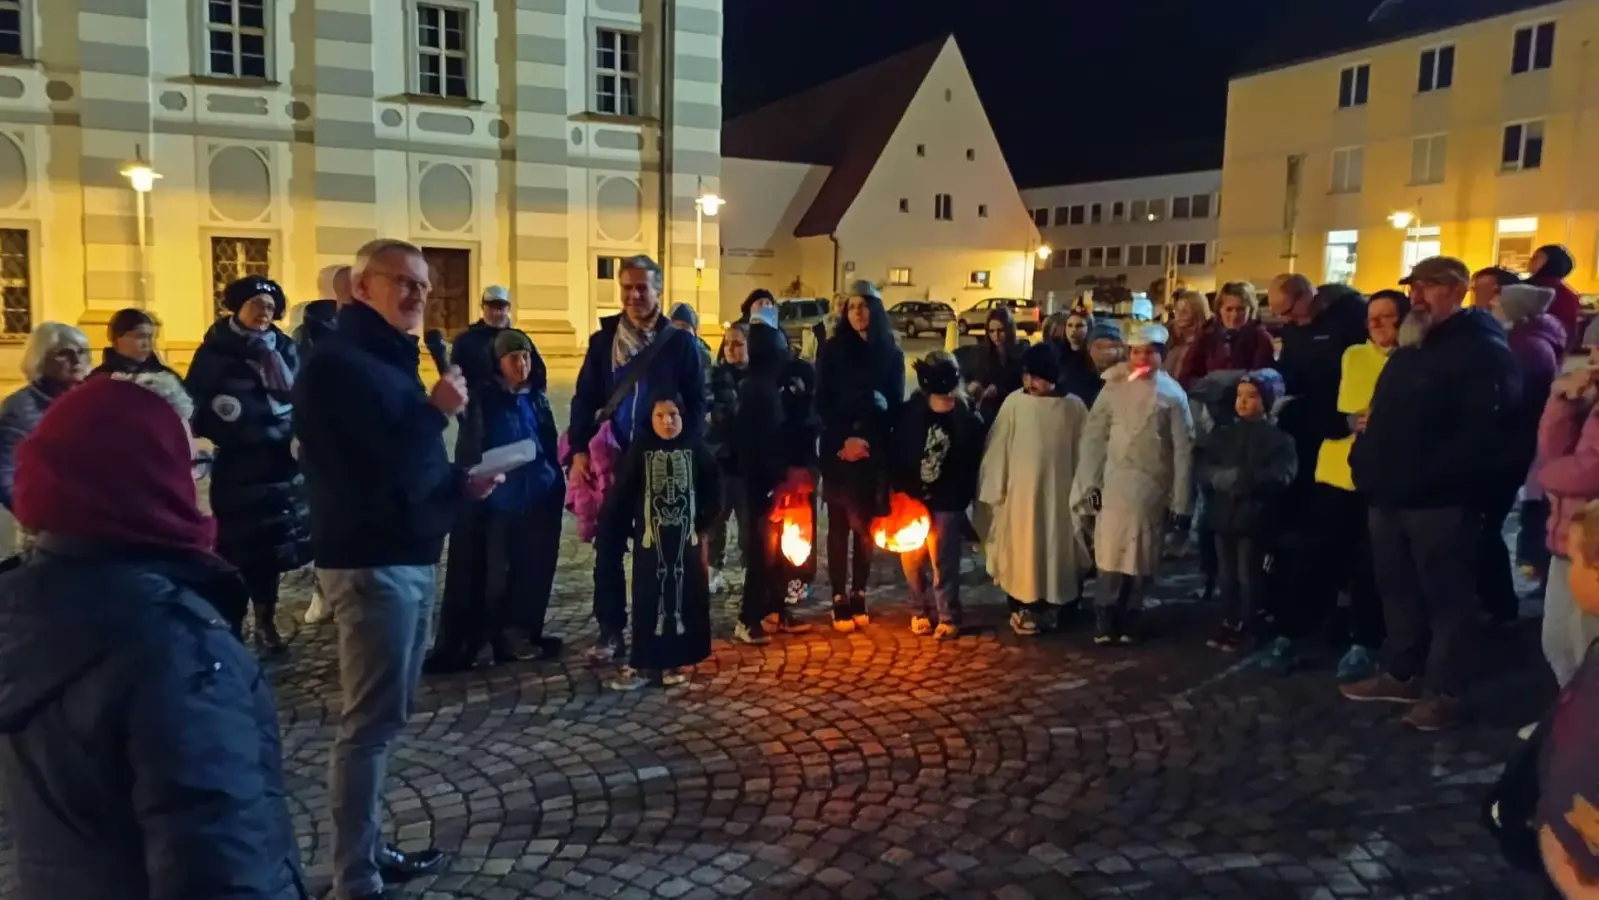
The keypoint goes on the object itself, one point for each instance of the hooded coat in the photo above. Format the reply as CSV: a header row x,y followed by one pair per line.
x,y
1137,452
998,366
1441,417
1311,363
860,386
1538,342
1567,306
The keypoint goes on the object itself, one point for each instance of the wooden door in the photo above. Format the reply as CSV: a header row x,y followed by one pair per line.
x,y
450,304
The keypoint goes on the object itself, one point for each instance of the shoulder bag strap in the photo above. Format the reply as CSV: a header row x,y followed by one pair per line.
x,y
635,371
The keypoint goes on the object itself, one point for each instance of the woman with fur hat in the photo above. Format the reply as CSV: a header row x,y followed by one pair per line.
x,y
1133,476
132,350
1034,547
240,380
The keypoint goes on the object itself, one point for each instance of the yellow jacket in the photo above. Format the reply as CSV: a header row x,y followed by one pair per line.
x,y
1362,364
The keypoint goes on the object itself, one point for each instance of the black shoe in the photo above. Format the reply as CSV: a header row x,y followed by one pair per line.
x,y
546,647
503,652
397,866
268,641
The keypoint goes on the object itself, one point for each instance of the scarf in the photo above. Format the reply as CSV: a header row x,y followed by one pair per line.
x,y
264,358
630,341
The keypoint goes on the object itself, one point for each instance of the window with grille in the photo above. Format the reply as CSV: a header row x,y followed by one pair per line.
x,y
16,281
237,32
233,258
13,40
442,57
616,72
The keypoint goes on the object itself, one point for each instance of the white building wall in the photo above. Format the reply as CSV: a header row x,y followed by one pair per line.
x,y
766,202
1071,244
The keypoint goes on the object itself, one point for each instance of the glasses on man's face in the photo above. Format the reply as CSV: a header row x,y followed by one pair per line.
x,y
406,283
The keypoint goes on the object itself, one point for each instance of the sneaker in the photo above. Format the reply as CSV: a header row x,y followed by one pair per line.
x,y
946,631
318,612
1383,688
1435,712
788,624
1280,657
754,635
797,591
1357,665
1022,623
608,650
628,679
718,583
674,678
921,626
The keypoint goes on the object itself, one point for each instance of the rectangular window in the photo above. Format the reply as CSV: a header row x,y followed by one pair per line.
x,y
16,281
233,258
943,207
1192,254
1437,70
1154,254
904,204
1057,260
1096,214
982,210
617,68
1339,261
13,36
971,155
1118,211
1074,258
1079,214
1427,159
1348,170
1201,207
441,51
235,29
1354,84
606,267
1533,48
1140,211
921,149
1113,256
1096,256
1135,255
1041,217
1061,214
899,277
1180,207
1157,209
1523,147
979,279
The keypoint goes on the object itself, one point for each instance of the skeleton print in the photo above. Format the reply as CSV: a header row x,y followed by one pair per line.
x,y
669,524
934,454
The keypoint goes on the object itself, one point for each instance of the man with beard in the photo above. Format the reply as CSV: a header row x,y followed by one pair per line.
x,y
473,351
1436,439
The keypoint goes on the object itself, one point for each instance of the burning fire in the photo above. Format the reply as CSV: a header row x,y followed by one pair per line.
x,y
796,549
906,526
1138,373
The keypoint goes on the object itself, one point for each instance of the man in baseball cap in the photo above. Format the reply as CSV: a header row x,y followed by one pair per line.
x,y
473,351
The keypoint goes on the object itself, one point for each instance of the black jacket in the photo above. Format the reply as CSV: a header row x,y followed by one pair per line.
x,y
859,389
1440,426
382,490
318,320
139,752
114,363
940,471
677,367
1078,376
1000,368
1311,364
473,352
1247,465
257,493
725,381
757,429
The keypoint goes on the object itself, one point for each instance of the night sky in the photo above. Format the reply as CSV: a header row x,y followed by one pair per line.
x,y
1077,90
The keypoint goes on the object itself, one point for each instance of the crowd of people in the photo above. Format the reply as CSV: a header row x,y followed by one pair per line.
x,y
1350,476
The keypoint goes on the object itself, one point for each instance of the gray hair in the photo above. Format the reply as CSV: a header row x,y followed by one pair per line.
x,y
167,386
642,263
47,338
373,249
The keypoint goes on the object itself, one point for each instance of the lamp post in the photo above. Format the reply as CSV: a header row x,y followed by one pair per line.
x,y
1410,224
1043,252
704,205
142,178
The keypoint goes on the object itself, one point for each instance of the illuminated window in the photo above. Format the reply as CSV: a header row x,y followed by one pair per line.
x,y
16,282
979,279
899,277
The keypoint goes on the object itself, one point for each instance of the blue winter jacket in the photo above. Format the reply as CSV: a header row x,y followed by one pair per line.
x,y
501,417
677,367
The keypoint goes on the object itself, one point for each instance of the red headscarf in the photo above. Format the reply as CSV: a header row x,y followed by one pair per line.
x,y
111,462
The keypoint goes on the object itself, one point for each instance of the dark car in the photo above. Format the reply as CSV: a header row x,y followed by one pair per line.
x,y
800,316
1027,313
915,317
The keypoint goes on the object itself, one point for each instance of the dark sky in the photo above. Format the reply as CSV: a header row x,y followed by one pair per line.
x,y
1076,89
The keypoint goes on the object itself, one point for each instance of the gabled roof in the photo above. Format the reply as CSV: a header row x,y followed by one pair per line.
x,y
845,123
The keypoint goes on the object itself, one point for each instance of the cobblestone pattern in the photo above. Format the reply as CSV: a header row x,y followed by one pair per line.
x,y
885,765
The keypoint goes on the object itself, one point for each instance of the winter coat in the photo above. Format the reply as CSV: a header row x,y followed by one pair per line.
x,y
1001,369
1566,308
725,380
114,363
1568,462
1538,342
1033,540
257,493
499,417
859,389
1441,417
382,489
1137,452
935,456
317,320
139,750
586,499
757,429
472,352
1247,465
19,414
1311,363
677,367
1246,348
1362,364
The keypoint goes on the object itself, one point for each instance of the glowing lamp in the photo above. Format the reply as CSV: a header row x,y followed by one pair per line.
x,y
905,528
141,176
710,204
792,513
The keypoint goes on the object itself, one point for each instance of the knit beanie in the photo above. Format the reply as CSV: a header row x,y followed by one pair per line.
x,y
510,340
125,320
684,313
1105,330
239,292
1042,360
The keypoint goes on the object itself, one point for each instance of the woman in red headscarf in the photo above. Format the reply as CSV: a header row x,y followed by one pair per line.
x,y
141,755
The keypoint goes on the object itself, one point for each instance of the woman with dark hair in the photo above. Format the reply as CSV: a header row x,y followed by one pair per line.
x,y
240,381
860,374
760,298
132,334
997,366
1549,266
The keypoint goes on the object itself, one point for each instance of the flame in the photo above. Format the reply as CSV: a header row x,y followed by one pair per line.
x,y
1138,373
911,536
796,549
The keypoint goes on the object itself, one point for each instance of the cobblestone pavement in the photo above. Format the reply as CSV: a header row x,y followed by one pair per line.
x,y
884,765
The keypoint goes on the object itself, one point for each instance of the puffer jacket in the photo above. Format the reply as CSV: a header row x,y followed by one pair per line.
x,y
139,750
1311,363
257,492
1247,465
1568,462
19,414
1537,341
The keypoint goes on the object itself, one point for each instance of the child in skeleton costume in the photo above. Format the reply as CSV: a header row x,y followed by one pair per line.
x,y
666,496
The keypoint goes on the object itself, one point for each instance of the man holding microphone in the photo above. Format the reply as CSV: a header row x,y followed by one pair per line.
x,y
383,497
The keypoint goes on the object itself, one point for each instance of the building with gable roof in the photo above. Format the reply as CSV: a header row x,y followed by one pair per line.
x,y
890,174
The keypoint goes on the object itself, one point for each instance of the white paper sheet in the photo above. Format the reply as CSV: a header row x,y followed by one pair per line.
x,y
500,460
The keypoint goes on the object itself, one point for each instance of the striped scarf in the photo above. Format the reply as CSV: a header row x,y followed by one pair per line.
x,y
630,342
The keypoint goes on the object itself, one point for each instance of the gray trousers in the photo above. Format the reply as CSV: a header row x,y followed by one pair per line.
x,y
383,617
1425,563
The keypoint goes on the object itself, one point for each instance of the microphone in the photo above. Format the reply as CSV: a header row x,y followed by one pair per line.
x,y
434,339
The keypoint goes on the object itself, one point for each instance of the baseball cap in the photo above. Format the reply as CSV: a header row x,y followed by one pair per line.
x,y
1438,270
496,294
1568,797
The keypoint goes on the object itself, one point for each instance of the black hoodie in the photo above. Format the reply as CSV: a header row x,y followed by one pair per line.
x,y
1441,418
1311,364
757,431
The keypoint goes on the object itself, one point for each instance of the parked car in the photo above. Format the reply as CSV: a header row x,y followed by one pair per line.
x,y
1027,312
915,317
799,316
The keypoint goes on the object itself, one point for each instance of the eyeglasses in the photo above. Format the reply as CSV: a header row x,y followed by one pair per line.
x,y
405,282
200,466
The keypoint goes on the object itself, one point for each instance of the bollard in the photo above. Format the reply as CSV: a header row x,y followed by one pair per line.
x,y
952,336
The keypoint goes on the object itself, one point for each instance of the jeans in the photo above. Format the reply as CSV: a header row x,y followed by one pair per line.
x,y
1427,577
382,616
1240,577
942,554
732,505
848,528
610,580
1567,630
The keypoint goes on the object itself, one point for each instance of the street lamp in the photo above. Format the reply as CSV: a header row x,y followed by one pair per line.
x,y
1410,223
704,205
1044,253
142,178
